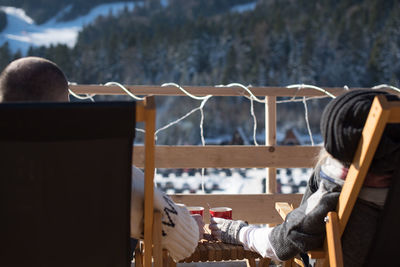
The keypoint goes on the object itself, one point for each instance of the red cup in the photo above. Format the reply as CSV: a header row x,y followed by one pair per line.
x,y
221,212
196,210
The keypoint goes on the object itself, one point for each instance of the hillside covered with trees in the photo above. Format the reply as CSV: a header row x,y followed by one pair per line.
x,y
329,43
280,42
42,10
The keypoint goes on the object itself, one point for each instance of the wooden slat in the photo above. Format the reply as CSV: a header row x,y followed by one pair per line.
x,y
226,252
211,251
196,255
240,253
157,249
199,90
149,117
270,137
257,208
334,240
283,209
250,262
165,258
218,251
233,252
230,156
138,255
203,252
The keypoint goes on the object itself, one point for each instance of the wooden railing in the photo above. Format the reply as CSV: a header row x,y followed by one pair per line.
x,y
254,208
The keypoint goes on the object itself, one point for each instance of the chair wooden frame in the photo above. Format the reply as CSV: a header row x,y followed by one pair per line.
x,y
146,112
381,113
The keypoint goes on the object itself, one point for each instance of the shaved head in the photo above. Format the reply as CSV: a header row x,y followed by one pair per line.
x,y
33,79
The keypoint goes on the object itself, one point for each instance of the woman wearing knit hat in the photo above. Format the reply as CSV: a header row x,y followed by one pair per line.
x,y
304,228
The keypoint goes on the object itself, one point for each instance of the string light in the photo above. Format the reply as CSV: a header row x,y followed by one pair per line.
x,y
87,96
307,122
246,88
303,86
300,99
250,96
201,108
254,121
186,92
184,117
125,90
386,86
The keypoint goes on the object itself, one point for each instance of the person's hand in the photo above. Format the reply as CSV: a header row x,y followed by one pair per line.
x,y
226,230
200,223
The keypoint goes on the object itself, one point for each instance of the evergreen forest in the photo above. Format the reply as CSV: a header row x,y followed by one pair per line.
x,y
192,42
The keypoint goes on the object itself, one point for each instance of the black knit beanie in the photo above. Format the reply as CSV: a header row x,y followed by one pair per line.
x,y
341,125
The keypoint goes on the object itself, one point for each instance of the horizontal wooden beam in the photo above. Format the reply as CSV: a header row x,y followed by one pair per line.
x,y
199,90
230,156
257,208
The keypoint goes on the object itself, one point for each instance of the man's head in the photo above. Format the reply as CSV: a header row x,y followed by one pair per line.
x,y
33,79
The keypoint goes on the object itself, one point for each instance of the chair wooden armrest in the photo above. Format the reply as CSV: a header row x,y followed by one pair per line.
x,y
283,208
334,240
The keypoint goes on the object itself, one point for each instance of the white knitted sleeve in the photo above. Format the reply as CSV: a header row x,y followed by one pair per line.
x,y
257,239
180,233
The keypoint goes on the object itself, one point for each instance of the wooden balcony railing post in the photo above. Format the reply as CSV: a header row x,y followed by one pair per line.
x,y
270,140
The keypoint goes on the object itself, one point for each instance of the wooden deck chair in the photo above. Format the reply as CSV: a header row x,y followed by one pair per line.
x,y
388,234
151,246
65,188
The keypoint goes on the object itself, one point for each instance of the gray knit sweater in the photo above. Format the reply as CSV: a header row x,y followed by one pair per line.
x,y
304,227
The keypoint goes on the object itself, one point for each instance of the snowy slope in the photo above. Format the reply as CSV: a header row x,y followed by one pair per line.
x,y
22,32
244,7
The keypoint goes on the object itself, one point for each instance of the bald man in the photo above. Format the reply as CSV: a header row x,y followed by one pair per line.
x,y
34,79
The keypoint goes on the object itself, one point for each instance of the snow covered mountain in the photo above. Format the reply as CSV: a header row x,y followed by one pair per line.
x,y
22,32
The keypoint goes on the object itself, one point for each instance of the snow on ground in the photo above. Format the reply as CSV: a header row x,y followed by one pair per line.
x,y
22,32
244,7
231,181
164,3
